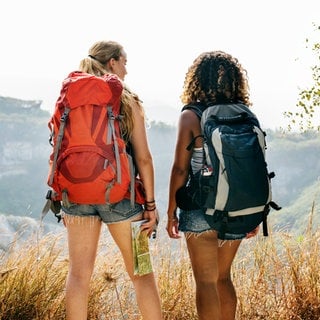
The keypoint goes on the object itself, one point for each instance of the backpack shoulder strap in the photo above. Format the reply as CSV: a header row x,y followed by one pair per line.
x,y
197,108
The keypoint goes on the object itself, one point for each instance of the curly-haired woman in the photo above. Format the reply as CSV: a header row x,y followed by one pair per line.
x,y
214,78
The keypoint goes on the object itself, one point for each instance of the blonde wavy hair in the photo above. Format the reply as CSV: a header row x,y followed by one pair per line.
x,y
99,55
216,77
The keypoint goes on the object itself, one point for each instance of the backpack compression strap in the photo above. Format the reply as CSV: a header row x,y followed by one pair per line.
x,y
59,141
112,135
51,204
112,131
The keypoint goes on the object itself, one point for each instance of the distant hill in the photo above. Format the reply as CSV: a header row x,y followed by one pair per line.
x,y
24,152
295,160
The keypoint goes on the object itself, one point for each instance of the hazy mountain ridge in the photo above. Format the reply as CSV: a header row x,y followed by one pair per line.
x,y
10,105
24,151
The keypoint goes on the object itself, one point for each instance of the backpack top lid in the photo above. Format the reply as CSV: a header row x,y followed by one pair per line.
x,y
228,112
94,90
221,109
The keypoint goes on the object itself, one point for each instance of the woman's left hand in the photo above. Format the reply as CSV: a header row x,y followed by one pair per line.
x,y
172,228
252,233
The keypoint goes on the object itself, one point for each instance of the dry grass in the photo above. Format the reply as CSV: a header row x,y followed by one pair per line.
x,y
275,278
32,281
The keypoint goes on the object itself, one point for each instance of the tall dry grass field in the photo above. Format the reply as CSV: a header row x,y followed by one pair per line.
x,y
275,277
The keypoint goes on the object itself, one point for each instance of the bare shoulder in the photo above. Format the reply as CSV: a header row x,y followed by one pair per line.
x,y
189,119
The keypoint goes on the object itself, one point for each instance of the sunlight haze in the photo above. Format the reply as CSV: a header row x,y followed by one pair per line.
x,y
43,41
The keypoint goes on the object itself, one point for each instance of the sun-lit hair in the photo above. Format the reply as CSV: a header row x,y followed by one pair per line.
x,y
216,77
99,55
128,98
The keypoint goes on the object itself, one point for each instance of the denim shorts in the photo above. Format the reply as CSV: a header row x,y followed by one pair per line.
x,y
195,221
109,213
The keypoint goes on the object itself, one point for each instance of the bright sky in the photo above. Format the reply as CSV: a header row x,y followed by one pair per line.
x,y
42,41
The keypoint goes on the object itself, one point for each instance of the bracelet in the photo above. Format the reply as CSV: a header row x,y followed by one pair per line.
x,y
149,204
150,209
173,219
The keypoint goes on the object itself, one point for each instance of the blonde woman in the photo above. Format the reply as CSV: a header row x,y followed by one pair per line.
x,y
83,222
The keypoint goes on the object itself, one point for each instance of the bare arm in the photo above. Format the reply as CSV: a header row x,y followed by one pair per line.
x,y
188,128
144,161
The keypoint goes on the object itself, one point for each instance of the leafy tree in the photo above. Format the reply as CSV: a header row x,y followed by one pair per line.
x,y
309,99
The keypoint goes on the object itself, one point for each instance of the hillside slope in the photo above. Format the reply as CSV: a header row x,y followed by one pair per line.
x,y
24,152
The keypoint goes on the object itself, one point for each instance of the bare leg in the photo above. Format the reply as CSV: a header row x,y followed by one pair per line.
x,y
203,252
227,293
83,236
145,286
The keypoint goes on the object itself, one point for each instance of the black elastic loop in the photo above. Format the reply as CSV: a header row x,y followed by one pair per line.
x,y
94,58
191,144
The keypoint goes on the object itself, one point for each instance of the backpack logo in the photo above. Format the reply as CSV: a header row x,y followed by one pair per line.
x,y
89,163
234,184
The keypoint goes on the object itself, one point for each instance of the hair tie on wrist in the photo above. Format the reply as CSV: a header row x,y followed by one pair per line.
x,y
150,209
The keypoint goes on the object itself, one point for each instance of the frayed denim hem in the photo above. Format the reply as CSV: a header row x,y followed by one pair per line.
x,y
189,234
72,219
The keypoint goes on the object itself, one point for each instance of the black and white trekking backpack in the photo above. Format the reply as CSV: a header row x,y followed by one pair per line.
x,y
234,184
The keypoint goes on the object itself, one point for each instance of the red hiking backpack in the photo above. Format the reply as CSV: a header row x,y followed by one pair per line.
x,y
89,163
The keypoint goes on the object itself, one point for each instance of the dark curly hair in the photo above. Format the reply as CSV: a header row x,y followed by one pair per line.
x,y
216,77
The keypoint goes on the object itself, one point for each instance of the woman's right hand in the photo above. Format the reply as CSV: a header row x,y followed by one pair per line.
x,y
172,228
